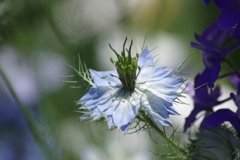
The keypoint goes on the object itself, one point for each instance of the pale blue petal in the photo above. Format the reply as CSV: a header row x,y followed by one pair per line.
x,y
86,115
93,115
96,115
167,85
165,88
88,96
97,94
125,109
120,106
149,73
110,122
124,128
157,108
169,106
97,100
103,102
109,80
145,57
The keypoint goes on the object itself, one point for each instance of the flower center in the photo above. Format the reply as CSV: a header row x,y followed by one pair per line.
x,y
126,67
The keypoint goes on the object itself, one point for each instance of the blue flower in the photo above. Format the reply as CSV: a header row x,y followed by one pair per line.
x,y
136,85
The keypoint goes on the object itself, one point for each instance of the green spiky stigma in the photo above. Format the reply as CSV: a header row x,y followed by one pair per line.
x,y
126,67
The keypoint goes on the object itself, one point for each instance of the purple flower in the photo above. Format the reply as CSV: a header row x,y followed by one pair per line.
x,y
203,100
223,115
225,5
230,17
235,80
214,49
219,3
230,20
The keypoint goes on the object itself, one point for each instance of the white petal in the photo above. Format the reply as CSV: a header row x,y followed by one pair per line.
x,y
158,109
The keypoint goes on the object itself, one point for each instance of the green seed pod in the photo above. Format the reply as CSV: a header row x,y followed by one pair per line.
x,y
122,53
137,55
123,68
117,63
111,59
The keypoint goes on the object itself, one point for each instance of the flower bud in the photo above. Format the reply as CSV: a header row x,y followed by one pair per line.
x,y
216,144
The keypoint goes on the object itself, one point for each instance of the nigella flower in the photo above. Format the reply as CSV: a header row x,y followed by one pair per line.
x,y
223,115
214,50
136,85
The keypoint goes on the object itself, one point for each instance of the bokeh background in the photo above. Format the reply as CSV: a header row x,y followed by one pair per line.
x,y
36,36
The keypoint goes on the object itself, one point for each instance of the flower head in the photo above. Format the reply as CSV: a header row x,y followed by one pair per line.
x,y
136,85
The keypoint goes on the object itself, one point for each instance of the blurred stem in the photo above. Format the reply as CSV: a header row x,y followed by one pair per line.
x,y
169,140
231,66
54,27
226,75
25,112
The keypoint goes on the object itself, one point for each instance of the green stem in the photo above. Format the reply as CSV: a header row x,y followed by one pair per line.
x,y
25,112
146,119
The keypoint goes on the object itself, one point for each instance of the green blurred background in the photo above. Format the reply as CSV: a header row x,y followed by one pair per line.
x,y
36,35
